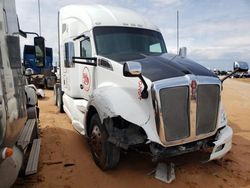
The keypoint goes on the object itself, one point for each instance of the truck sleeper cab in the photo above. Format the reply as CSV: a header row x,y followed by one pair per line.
x,y
121,88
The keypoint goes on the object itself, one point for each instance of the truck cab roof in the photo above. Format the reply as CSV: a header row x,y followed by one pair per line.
x,y
100,15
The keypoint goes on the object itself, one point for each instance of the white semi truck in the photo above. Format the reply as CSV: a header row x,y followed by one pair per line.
x,y
122,89
19,142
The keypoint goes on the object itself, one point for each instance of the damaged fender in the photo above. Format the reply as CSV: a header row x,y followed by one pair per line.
x,y
115,101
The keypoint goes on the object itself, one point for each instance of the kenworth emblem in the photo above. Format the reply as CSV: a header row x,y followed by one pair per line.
x,y
193,89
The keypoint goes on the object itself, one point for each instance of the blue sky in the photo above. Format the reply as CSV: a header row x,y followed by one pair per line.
x,y
216,33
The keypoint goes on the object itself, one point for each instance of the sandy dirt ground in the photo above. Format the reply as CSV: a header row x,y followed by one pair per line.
x,y
65,159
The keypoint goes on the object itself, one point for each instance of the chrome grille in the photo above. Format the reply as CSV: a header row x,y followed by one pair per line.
x,y
185,112
208,98
175,112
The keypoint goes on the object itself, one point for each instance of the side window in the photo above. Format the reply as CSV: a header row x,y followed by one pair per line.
x,y
155,48
69,52
85,48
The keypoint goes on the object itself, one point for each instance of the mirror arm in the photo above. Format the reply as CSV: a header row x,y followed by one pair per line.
x,y
22,33
226,77
144,93
27,32
81,36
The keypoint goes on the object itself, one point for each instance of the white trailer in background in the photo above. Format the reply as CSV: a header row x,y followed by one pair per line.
x,y
121,88
19,142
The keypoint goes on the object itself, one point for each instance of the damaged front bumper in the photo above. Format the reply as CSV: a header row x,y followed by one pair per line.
x,y
214,147
222,144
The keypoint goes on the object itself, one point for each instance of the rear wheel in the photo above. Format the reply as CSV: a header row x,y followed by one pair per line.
x,y
105,154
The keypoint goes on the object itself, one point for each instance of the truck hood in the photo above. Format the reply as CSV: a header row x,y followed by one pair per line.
x,y
159,67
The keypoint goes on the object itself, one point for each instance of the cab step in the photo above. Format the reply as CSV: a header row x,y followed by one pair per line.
x,y
32,164
26,134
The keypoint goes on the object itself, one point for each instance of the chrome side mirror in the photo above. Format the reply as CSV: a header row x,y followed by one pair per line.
x,y
183,52
132,69
240,66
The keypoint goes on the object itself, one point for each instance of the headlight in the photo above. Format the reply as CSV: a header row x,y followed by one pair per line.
x,y
29,72
222,117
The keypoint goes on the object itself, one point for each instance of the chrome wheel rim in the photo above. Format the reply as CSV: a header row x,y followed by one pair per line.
x,y
96,141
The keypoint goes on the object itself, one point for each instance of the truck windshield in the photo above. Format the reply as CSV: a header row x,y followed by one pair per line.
x,y
126,40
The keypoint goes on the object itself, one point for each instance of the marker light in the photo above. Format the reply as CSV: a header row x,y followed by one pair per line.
x,y
7,152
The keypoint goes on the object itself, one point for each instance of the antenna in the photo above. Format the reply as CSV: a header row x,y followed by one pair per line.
x,y
177,31
39,15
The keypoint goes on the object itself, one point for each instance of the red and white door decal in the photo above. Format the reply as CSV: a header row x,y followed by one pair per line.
x,y
86,80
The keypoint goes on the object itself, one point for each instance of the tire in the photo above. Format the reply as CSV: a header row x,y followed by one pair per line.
x,y
45,84
59,100
105,154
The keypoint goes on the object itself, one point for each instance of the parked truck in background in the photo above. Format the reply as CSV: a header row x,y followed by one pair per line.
x,y
42,76
122,89
19,142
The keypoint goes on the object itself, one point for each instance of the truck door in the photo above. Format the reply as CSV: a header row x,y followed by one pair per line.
x,y
12,95
87,75
77,71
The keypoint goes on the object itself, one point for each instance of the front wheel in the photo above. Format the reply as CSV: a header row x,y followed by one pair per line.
x,y
105,154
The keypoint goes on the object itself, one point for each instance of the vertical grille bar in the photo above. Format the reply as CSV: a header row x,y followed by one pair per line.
x,y
208,98
175,112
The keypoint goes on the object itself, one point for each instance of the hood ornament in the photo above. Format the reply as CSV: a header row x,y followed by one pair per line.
x,y
193,86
